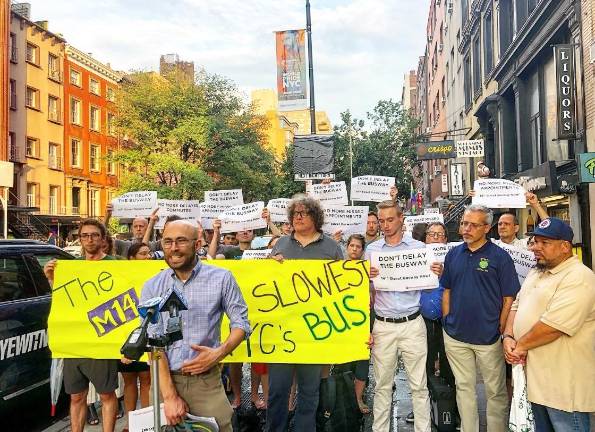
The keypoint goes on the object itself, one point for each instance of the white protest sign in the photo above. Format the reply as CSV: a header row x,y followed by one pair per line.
x,y
410,221
209,212
349,219
371,188
407,270
187,209
230,197
256,253
470,148
243,217
334,193
141,420
499,193
278,209
134,204
441,249
431,210
524,260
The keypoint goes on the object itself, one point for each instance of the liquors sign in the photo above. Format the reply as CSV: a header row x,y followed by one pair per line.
x,y
564,55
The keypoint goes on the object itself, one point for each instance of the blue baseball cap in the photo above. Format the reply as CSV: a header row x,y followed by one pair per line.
x,y
553,228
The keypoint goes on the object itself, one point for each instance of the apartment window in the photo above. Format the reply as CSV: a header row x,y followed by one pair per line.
x,y
32,54
94,118
13,94
54,68
443,85
467,81
75,153
94,157
94,86
32,189
75,111
54,156
54,196
111,164
75,77
506,25
13,48
476,66
111,126
32,98
13,154
111,94
488,50
54,113
32,147
76,200
93,202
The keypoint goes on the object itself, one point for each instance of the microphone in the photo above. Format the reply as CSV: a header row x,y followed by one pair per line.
x,y
173,302
135,345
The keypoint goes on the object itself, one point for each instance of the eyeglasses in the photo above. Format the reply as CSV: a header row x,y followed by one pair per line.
x,y
435,234
180,241
87,236
301,214
465,224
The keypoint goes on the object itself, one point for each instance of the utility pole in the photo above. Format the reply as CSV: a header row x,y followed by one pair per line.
x,y
310,70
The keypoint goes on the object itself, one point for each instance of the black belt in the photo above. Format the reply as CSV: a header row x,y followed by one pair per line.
x,y
399,320
188,374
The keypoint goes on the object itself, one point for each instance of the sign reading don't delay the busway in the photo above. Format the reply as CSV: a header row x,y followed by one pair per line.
x,y
134,204
371,188
407,270
300,311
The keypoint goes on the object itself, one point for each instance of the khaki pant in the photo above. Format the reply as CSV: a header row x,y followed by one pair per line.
x,y
490,358
410,340
205,396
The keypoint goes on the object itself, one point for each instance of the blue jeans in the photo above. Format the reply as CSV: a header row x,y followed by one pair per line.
x,y
280,380
553,420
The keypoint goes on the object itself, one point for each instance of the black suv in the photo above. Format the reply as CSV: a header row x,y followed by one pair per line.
x,y
24,308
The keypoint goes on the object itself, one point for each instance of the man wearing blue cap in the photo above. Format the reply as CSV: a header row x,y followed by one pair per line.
x,y
551,328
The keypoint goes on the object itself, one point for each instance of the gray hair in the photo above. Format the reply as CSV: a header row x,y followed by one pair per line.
x,y
489,214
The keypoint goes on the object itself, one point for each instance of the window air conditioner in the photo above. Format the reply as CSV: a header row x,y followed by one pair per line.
x,y
437,170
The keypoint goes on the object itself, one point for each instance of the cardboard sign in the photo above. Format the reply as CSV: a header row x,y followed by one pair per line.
x,y
348,219
371,188
410,221
209,212
256,254
524,260
441,249
186,209
134,204
334,193
300,311
499,193
407,270
229,198
278,209
470,148
243,217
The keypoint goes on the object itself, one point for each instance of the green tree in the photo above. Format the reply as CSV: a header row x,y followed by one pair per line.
x,y
187,137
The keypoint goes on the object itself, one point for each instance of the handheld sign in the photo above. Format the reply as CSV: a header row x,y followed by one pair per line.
x,y
348,219
256,254
134,204
524,260
334,193
407,270
499,193
431,210
441,249
209,212
278,209
410,221
243,217
229,198
371,188
186,209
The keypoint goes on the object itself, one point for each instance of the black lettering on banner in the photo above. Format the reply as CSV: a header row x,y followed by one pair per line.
x,y
261,337
82,286
295,286
265,294
285,336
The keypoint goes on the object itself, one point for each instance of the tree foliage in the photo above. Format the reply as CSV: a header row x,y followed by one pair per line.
x,y
183,138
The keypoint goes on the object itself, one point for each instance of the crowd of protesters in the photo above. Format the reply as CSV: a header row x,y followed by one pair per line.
x,y
478,317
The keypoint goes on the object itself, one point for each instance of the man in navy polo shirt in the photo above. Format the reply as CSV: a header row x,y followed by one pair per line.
x,y
480,283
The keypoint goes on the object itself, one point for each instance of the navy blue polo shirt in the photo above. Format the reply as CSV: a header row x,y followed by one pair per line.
x,y
478,282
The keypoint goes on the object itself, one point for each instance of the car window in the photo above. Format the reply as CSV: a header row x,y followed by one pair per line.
x,y
42,259
15,280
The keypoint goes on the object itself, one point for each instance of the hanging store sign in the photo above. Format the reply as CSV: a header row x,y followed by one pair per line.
x,y
456,179
470,148
565,82
436,150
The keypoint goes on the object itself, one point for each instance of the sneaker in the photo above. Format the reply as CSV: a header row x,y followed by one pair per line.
x,y
410,418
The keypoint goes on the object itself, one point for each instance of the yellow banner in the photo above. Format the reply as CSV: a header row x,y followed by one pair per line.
x,y
302,311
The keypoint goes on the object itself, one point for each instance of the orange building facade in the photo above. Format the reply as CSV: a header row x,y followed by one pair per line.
x,y
90,138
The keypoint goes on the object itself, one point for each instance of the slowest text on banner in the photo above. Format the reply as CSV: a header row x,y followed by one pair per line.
x,y
300,311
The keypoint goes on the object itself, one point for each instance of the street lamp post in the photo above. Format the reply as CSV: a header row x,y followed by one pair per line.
x,y
310,69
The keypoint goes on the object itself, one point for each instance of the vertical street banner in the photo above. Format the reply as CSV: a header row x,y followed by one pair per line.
x,y
565,84
456,179
291,69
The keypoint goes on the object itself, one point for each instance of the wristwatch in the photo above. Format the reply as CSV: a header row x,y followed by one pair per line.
x,y
504,336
